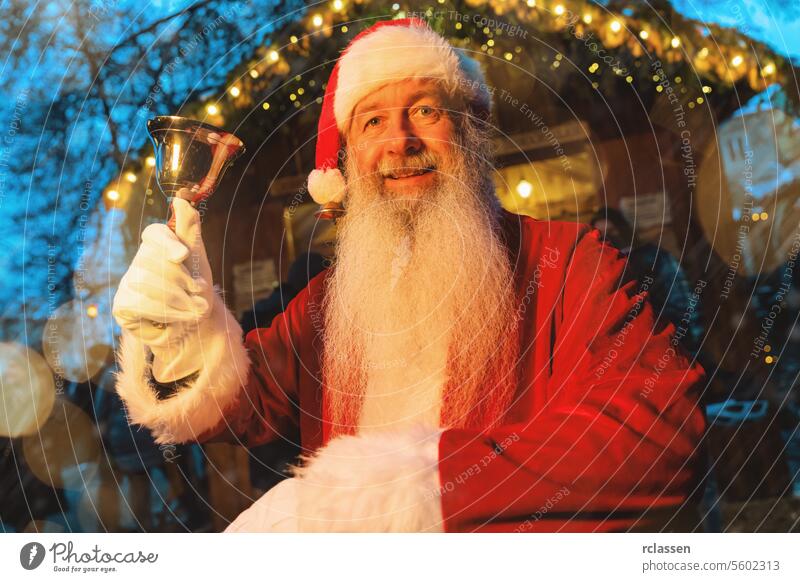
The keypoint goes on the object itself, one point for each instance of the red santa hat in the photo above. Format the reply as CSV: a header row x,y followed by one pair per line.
x,y
387,52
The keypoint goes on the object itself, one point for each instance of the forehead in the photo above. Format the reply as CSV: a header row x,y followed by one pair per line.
x,y
400,94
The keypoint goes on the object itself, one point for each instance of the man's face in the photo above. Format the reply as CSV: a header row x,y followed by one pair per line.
x,y
401,135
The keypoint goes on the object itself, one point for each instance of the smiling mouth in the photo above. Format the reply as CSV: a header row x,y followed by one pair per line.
x,y
409,173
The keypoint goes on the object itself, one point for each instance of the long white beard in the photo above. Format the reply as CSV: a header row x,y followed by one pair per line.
x,y
421,298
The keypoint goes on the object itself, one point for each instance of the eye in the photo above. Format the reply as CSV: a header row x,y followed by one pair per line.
x,y
372,122
427,113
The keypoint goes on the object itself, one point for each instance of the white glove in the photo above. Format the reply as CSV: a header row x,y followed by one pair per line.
x,y
166,296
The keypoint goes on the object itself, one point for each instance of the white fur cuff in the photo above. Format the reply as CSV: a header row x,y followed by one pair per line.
x,y
199,406
373,482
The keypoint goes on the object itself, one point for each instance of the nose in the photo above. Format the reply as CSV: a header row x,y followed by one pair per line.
x,y
400,138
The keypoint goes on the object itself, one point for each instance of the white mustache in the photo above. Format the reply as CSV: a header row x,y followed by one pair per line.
x,y
409,165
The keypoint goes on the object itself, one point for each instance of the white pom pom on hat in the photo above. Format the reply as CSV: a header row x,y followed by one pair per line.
x,y
388,51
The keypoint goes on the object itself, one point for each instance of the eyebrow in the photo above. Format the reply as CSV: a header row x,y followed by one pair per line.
x,y
414,97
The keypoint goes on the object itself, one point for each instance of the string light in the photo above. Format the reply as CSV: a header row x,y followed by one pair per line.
x,y
112,195
531,3
212,109
587,18
559,9
254,73
615,26
706,89
316,20
644,35
593,67
737,60
150,161
338,4
130,177
234,91
524,189
91,311
273,56
769,69
293,39
265,106
510,56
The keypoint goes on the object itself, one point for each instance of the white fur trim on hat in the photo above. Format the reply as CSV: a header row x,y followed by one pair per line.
x,y
373,482
326,185
393,53
201,405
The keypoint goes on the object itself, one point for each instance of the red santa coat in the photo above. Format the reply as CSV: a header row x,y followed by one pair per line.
x,y
604,429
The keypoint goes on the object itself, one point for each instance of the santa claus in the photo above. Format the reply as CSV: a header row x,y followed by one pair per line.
x,y
459,368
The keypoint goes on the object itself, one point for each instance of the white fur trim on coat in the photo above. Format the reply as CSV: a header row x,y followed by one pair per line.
x,y
393,53
373,482
326,186
201,405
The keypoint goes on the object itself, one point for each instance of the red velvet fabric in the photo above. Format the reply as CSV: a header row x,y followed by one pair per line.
x,y
604,428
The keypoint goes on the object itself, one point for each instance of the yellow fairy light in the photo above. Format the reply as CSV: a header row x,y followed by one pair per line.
x,y
587,18
644,35
273,56
559,9
769,359
659,88
524,189
593,67
212,109
737,60
629,79
531,3
316,20
338,4
112,195
292,97
764,216
91,311
458,26
700,100
675,42
768,348
293,39
254,73
490,42
345,29
756,217
769,69
130,177
615,25
510,56
706,89
265,106
300,91
234,91
150,161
